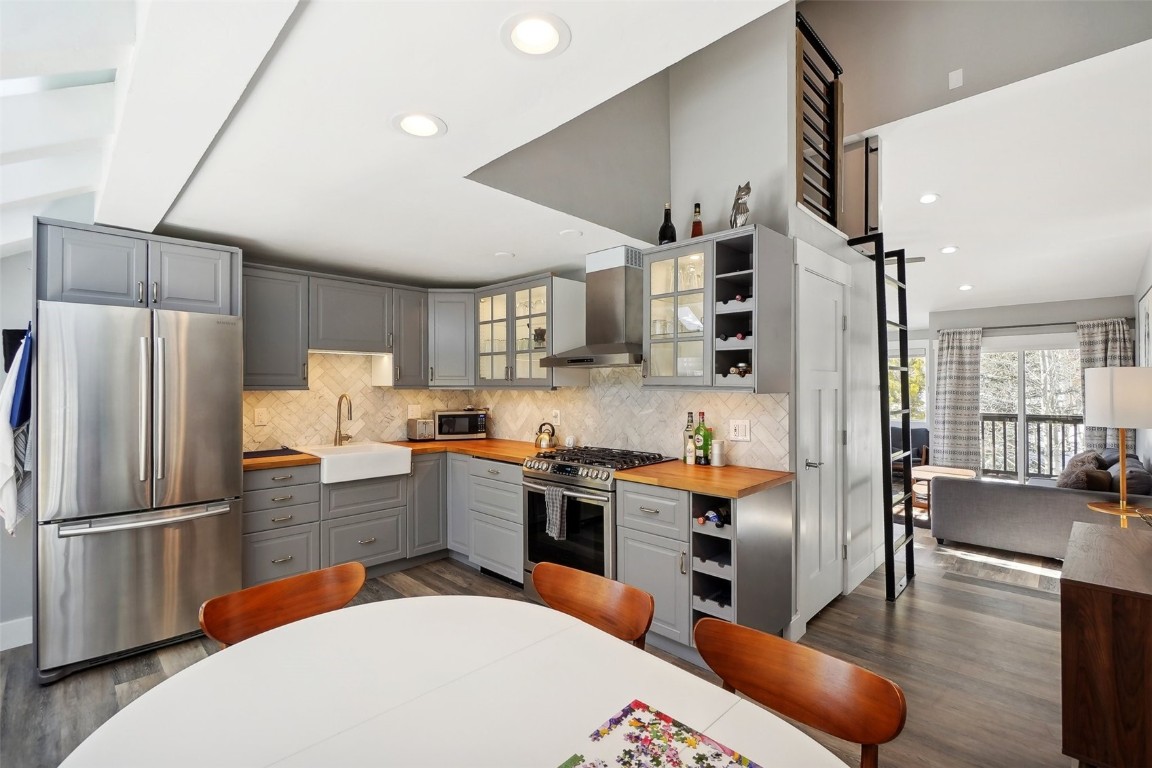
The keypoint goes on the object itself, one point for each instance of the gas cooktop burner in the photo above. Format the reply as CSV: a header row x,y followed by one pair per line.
x,y
611,458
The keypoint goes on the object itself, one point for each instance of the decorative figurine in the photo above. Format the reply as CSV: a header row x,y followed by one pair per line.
x,y
739,215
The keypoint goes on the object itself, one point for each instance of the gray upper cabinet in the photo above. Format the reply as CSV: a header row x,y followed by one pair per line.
x,y
427,508
452,338
410,338
678,315
349,316
275,329
97,265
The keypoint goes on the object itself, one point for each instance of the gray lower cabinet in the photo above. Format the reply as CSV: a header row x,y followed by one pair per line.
x,y
280,523
498,545
272,555
459,517
348,316
658,565
427,512
371,538
496,507
410,337
452,338
275,329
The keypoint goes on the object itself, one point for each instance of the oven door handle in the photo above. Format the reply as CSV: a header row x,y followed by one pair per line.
x,y
569,494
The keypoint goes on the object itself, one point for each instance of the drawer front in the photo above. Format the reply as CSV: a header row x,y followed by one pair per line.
x,y
661,511
360,496
498,546
284,517
502,500
372,538
258,479
272,555
495,470
275,498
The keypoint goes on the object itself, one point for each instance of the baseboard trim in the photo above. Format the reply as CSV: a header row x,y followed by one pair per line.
x,y
15,633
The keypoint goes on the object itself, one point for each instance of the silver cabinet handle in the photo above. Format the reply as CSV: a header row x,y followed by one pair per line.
x,y
431,373
161,406
493,471
683,557
366,541
143,415
282,519
397,377
283,477
155,293
389,338
281,498
809,464
643,369
650,510
140,292
305,371
281,560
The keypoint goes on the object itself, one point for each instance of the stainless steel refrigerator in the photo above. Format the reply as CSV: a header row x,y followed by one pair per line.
x,y
138,476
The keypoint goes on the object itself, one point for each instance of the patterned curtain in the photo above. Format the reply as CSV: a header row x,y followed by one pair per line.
x,y
1105,344
956,419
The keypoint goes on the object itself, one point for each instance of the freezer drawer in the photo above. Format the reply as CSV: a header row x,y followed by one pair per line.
x,y
120,582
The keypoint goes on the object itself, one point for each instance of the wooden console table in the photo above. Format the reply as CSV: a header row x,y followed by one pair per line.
x,y
1106,645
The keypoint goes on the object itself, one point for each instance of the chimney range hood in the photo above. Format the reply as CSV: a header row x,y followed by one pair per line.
x,y
614,313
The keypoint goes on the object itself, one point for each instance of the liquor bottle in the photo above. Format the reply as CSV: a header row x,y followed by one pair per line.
x,y
703,440
697,225
689,442
667,229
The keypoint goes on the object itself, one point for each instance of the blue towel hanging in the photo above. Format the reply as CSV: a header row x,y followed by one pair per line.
x,y
22,397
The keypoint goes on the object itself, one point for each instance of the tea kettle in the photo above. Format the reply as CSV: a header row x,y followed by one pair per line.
x,y
546,436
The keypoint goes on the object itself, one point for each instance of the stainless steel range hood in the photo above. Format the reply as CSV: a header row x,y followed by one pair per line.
x,y
614,315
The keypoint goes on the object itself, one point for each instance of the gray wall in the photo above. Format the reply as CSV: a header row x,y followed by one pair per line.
x,y
897,55
16,307
609,165
731,122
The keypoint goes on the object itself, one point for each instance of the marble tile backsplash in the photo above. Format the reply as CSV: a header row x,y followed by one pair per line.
x,y
612,411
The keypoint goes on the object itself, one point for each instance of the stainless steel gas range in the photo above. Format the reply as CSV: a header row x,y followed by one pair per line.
x,y
583,485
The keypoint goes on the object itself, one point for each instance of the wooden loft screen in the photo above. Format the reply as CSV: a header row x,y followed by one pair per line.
x,y
819,125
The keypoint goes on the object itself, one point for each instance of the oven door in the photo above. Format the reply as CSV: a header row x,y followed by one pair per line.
x,y
590,540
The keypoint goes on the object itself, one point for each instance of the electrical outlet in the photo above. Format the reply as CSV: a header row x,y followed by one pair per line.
x,y
260,418
555,417
413,411
739,430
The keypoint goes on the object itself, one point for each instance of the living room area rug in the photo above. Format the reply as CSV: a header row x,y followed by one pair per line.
x,y
1011,571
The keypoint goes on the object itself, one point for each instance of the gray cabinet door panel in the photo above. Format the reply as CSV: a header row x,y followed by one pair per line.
x,y
459,519
275,330
256,479
410,337
93,267
371,538
427,513
348,316
661,511
189,279
659,566
275,498
275,554
498,545
274,519
358,496
452,339
502,500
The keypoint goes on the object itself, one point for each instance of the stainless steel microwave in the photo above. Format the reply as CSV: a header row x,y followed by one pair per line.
x,y
461,425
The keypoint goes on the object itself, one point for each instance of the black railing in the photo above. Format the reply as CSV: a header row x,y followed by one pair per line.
x,y
1052,440
819,125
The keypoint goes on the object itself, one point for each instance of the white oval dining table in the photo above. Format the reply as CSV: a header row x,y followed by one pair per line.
x,y
424,681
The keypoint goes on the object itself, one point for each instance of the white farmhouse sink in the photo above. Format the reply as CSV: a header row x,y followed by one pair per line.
x,y
359,461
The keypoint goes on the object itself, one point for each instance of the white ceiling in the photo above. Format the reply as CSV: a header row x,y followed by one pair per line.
x,y
269,125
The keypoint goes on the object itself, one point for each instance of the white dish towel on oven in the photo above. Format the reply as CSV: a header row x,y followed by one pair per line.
x,y
557,523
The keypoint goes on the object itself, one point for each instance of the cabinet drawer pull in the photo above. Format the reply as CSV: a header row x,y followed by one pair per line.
x,y
140,292
282,519
155,292
650,511
366,541
281,498
683,555
282,560
282,477
493,471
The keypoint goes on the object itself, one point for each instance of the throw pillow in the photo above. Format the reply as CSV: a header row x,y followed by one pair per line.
x,y
1098,480
1110,457
1139,479
1074,474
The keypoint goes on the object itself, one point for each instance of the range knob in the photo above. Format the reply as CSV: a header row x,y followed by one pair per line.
x,y
583,472
603,474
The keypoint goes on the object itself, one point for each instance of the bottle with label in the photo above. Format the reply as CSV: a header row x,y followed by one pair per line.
x,y
667,229
697,225
689,442
703,440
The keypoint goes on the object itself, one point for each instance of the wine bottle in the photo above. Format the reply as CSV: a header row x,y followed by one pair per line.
x,y
697,225
703,440
689,442
667,229
739,336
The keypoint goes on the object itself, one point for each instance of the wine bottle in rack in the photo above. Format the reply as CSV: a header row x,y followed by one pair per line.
x,y
697,225
667,232
739,335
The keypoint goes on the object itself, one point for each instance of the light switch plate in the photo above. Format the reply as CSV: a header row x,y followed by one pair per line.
x,y
260,418
740,430
955,79
413,411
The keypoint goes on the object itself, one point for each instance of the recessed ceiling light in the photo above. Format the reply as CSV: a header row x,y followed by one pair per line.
x,y
965,287
571,234
504,255
539,35
949,249
420,124
929,197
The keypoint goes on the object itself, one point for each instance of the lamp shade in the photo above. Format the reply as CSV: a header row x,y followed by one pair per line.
x,y
1118,397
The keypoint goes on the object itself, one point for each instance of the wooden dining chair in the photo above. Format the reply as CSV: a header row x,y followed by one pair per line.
x,y
619,609
811,687
236,616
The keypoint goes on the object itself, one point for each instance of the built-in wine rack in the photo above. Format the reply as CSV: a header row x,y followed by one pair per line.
x,y
713,563
734,291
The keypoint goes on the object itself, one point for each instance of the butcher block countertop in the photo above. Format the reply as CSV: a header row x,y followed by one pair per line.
x,y
279,462
497,450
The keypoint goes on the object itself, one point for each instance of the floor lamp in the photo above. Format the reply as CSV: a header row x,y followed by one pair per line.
x,y
1120,398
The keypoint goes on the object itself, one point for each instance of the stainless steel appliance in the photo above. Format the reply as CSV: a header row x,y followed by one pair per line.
x,y
461,425
587,479
138,477
421,429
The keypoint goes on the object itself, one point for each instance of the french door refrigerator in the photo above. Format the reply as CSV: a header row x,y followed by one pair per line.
x,y
138,477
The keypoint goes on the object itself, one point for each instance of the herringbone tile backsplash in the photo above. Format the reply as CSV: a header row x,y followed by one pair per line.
x,y
613,411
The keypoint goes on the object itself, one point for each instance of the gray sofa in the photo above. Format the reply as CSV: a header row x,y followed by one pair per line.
x,y
1019,518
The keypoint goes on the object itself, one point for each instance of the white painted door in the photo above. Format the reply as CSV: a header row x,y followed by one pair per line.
x,y
819,428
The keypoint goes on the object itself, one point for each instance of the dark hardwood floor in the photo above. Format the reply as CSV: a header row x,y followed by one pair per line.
x,y
973,641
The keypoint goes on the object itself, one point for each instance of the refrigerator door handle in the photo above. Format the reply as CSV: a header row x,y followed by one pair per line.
x,y
86,529
161,403
143,417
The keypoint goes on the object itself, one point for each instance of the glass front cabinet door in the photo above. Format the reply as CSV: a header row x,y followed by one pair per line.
x,y
492,337
530,333
512,334
677,324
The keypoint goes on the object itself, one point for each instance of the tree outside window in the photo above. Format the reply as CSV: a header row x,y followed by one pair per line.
x,y
917,387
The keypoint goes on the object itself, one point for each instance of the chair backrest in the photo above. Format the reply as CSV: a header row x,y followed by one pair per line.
x,y
816,689
619,609
236,616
